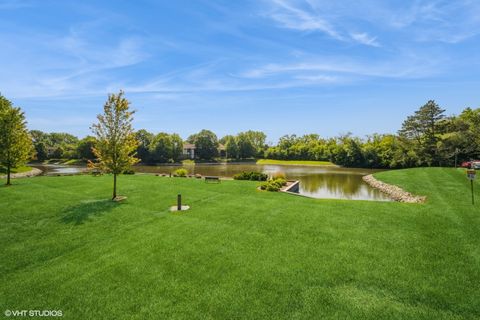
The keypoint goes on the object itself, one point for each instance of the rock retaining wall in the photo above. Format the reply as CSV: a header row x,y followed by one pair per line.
x,y
396,193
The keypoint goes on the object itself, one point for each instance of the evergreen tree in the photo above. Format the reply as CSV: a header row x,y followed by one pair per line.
x,y
423,129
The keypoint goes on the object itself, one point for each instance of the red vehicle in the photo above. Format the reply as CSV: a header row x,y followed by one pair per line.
x,y
475,164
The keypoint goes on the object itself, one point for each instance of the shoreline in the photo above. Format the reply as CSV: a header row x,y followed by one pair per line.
x,y
28,174
394,192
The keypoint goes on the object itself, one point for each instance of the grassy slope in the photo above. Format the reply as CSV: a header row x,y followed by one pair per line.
x,y
239,253
295,162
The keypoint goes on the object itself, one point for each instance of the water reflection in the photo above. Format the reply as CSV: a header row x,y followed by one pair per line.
x,y
318,182
58,169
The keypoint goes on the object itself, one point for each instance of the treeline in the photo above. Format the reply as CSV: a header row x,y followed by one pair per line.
x,y
154,148
60,145
427,138
164,147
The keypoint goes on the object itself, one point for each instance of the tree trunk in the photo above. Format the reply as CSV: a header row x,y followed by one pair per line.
x,y
114,186
8,176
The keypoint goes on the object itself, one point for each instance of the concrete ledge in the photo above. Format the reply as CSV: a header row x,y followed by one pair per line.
x,y
292,186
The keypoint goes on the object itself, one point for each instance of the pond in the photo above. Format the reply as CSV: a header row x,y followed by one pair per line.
x,y
315,181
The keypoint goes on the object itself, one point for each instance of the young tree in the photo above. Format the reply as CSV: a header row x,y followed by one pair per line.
x,y
116,141
15,143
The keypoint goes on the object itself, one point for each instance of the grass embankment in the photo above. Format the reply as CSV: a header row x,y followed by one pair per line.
x,y
295,162
239,253
15,170
65,161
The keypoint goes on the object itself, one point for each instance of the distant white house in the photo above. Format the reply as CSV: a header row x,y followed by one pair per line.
x,y
189,150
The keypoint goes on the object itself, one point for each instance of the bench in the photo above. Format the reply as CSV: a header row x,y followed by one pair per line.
x,y
212,179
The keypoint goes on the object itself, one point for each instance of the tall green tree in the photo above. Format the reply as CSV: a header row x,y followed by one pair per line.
x,y
424,129
161,148
206,145
144,138
257,139
231,147
116,141
177,146
85,148
15,142
246,148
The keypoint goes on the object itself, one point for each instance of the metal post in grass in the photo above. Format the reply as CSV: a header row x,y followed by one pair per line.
x,y
179,202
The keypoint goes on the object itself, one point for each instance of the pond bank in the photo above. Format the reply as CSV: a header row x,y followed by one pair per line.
x,y
396,193
32,173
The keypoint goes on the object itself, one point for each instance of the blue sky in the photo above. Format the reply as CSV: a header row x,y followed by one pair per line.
x,y
280,66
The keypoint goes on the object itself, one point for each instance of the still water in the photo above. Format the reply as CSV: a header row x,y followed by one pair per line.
x,y
315,181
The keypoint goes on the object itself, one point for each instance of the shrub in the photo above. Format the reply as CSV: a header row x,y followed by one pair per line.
x,y
279,182
129,171
254,176
273,184
272,187
182,172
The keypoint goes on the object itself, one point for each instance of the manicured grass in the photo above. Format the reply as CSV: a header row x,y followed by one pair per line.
x,y
239,253
15,170
295,162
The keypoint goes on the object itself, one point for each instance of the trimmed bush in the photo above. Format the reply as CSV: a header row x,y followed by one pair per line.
x,y
253,176
182,172
273,184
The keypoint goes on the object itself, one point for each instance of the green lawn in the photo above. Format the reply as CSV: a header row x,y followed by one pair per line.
x,y
239,253
3,170
295,162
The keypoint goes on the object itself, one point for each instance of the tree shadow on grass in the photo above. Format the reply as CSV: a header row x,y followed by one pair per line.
x,y
79,213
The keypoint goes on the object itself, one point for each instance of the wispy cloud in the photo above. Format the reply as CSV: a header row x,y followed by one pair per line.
x,y
427,20
327,68
290,16
308,16
364,38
